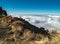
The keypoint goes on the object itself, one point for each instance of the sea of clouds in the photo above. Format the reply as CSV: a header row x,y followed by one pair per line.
x,y
47,22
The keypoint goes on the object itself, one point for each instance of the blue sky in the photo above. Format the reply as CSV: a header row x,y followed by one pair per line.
x,y
31,6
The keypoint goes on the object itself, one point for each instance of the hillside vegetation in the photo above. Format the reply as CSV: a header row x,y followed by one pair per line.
x,y
14,30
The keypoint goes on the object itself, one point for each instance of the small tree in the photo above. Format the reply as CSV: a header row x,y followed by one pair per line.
x,y
0,11
4,13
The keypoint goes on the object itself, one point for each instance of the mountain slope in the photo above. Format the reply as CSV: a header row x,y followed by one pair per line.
x,y
14,30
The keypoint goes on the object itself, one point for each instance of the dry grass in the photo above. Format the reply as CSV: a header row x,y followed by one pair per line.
x,y
16,34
